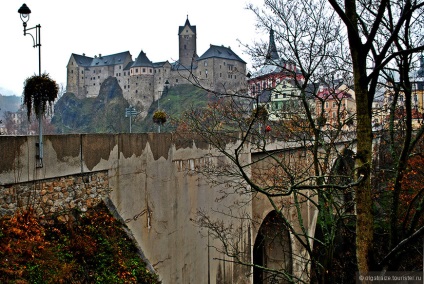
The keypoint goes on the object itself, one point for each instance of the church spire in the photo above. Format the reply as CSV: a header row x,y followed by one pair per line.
x,y
272,53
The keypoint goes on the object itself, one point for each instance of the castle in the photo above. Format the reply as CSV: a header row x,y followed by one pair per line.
x,y
142,81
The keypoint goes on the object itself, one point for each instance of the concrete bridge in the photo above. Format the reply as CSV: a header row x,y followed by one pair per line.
x,y
151,180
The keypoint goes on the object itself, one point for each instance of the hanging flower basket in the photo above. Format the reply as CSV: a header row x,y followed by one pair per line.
x,y
38,92
159,117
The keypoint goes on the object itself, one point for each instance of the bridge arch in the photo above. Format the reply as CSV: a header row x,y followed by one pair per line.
x,y
272,249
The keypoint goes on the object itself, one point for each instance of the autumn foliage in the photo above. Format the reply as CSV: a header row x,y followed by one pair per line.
x,y
91,248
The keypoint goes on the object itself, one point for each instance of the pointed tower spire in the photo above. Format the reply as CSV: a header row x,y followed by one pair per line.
x,y
272,54
187,22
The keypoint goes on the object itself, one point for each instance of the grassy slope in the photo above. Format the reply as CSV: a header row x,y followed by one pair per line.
x,y
175,102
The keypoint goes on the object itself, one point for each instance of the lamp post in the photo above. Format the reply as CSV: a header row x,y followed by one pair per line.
x,y
130,112
165,90
24,11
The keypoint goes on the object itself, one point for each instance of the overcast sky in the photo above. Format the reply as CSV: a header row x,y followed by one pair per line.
x,y
105,27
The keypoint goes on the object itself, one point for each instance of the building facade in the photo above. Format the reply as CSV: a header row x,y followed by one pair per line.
x,y
395,100
273,71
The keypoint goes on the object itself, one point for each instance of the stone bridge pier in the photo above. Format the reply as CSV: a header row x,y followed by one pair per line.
x,y
152,182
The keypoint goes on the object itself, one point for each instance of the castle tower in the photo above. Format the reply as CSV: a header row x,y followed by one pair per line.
x,y
187,45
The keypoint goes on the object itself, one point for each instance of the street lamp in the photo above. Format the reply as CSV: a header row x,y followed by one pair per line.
x,y
130,112
24,11
165,90
160,120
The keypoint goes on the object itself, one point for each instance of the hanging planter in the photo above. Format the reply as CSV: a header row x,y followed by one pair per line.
x,y
159,117
38,92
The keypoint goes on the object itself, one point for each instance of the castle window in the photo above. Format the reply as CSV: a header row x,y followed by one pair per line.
x,y
136,91
144,70
82,71
82,78
200,72
120,67
185,46
151,71
116,74
176,80
94,71
206,63
220,75
72,71
98,77
136,70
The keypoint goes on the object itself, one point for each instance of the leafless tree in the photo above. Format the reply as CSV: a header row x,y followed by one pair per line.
x,y
360,44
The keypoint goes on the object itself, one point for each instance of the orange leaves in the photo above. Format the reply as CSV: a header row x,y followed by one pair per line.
x,y
92,247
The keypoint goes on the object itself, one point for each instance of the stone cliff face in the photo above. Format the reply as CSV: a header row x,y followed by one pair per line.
x,y
105,113
102,114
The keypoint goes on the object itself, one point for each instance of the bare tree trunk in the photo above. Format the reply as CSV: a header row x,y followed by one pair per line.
x,y
364,221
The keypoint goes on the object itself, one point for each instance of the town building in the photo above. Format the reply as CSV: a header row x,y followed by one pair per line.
x,y
394,91
336,107
273,71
